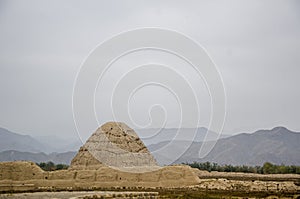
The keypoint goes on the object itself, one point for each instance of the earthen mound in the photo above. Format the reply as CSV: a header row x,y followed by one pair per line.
x,y
116,145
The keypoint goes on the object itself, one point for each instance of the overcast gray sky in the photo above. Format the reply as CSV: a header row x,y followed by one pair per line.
x,y
255,45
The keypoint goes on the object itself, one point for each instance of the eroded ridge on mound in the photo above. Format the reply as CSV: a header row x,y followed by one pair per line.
x,y
114,144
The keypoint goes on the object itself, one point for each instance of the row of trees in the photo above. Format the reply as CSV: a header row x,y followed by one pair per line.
x,y
267,168
50,166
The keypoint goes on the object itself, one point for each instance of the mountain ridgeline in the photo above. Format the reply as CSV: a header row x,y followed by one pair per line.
x,y
18,142
278,146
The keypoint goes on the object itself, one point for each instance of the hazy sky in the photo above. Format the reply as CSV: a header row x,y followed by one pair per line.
x,y
255,45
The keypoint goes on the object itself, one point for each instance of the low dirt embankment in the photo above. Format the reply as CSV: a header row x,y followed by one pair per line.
x,y
248,176
248,182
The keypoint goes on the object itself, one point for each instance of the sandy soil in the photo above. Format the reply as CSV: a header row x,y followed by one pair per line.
x,y
72,195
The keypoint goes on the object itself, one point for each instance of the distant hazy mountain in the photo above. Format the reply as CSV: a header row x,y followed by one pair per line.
x,y
279,146
25,143
47,144
14,141
155,135
57,158
57,144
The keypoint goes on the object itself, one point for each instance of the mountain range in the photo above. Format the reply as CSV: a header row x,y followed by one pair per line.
x,y
156,135
278,145
13,141
25,143
57,158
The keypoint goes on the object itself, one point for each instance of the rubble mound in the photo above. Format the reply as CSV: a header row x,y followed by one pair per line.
x,y
116,145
